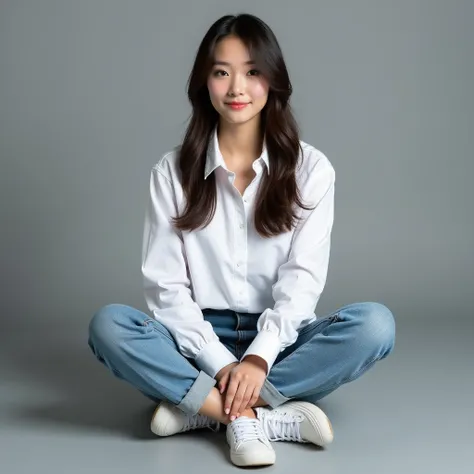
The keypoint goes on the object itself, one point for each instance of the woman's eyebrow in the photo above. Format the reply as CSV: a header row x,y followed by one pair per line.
x,y
225,63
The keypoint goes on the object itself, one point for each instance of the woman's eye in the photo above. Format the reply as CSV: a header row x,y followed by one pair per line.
x,y
218,72
255,71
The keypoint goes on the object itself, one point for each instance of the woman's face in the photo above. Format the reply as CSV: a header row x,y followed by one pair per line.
x,y
234,79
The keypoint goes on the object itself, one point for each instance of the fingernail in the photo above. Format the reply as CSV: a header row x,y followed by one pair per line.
x,y
227,411
232,418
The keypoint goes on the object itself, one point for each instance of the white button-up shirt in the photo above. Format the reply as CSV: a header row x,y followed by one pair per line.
x,y
227,265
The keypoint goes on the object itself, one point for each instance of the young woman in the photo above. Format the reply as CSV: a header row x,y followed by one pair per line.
x,y
235,257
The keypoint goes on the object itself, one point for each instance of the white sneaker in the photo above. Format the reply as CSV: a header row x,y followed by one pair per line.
x,y
249,446
168,420
297,421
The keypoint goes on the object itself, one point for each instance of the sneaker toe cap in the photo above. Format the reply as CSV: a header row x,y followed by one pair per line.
x,y
164,421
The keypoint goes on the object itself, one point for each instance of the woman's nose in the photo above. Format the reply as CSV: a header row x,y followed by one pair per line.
x,y
237,85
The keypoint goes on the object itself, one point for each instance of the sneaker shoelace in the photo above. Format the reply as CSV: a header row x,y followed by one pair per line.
x,y
193,422
247,429
282,426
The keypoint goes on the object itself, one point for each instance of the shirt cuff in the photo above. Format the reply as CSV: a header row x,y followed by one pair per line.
x,y
213,357
267,345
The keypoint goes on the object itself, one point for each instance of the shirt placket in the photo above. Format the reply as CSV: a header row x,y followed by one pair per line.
x,y
240,256
242,210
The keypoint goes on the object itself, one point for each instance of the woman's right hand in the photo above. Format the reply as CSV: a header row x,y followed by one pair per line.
x,y
222,376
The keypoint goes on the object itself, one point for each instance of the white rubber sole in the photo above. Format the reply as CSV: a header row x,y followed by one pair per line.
x,y
319,421
263,458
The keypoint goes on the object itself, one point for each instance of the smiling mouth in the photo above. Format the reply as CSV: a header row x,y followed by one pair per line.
x,y
237,105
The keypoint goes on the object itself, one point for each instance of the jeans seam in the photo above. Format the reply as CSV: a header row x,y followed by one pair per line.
x,y
102,360
362,369
352,377
333,318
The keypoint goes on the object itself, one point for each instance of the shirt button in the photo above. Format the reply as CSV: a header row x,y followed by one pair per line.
x,y
238,264
241,226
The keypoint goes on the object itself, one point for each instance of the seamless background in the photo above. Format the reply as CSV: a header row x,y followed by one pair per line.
x,y
92,93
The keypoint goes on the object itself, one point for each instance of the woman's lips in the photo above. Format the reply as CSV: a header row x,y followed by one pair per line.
x,y
237,106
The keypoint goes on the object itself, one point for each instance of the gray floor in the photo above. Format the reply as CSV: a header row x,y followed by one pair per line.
x,y
61,412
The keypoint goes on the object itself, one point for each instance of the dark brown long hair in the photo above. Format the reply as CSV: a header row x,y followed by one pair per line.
x,y
278,191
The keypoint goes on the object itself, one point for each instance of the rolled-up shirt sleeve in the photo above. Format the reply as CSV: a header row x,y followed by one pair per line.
x,y
167,285
301,279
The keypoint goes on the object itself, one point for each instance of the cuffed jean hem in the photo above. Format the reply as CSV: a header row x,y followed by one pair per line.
x,y
197,394
271,395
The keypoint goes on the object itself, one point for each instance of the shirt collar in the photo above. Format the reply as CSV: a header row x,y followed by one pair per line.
x,y
214,157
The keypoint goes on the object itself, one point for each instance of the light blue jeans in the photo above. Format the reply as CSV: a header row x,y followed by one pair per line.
x,y
329,352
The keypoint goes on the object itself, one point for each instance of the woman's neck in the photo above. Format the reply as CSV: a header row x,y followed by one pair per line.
x,y
240,144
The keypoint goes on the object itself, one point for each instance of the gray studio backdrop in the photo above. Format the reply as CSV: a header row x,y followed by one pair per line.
x,y
93,92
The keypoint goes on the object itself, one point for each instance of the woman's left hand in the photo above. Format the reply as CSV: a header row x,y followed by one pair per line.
x,y
246,381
